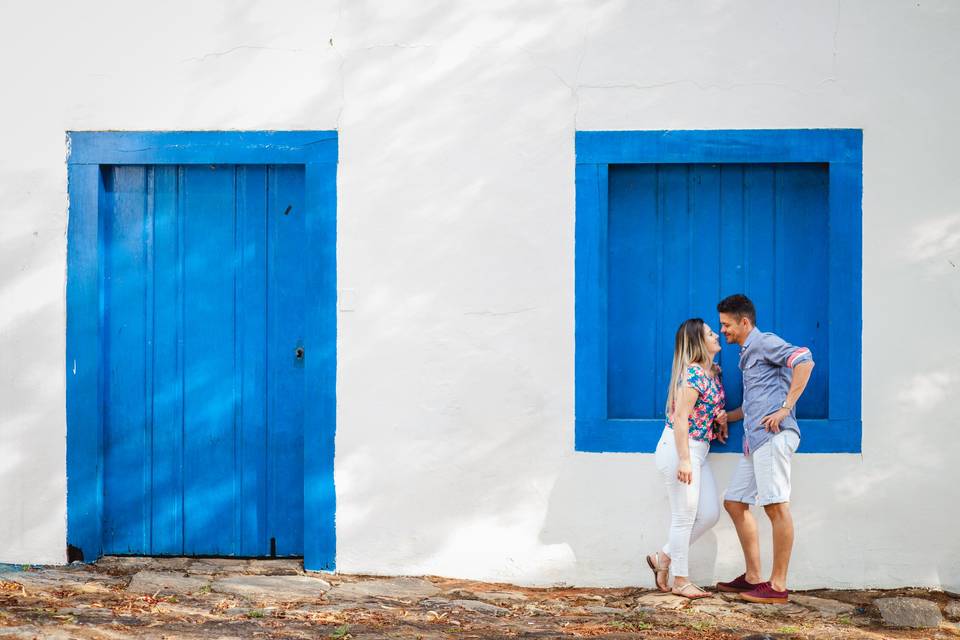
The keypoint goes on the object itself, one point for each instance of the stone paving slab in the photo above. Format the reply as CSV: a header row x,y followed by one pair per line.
x,y
952,610
40,581
401,588
659,600
502,598
272,588
166,583
913,613
825,607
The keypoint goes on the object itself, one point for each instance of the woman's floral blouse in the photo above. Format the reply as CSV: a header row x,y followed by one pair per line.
x,y
710,400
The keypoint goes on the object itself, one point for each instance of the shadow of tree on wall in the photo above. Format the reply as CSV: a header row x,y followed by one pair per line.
x,y
455,380
31,369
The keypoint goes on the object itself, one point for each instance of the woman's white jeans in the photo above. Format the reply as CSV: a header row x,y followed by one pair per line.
x,y
695,507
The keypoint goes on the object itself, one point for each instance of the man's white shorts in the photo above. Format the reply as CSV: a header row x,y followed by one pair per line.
x,y
763,477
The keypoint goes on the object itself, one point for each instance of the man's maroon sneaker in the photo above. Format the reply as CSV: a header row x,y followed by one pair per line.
x,y
737,585
766,594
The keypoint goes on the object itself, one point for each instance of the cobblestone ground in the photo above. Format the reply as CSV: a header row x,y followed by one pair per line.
x,y
218,598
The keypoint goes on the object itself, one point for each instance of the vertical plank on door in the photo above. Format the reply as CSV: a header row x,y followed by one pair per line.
x,y
320,371
287,297
209,351
251,322
126,514
84,359
167,451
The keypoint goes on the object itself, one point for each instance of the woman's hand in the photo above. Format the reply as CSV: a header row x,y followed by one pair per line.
x,y
722,423
685,472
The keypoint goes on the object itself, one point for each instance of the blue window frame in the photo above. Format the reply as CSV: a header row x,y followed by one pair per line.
x,y
641,195
95,160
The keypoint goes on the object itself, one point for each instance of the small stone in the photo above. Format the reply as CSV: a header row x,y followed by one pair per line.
x,y
555,604
415,589
597,609
824,606
952,610
502,598
530,609
762,610
479,607
712,606
463,594
791,609
273,587
155,582
914,613
662,601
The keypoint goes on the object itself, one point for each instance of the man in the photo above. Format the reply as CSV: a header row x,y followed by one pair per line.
x,y
774,376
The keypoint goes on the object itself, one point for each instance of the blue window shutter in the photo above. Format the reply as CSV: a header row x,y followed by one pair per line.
x,y
678,236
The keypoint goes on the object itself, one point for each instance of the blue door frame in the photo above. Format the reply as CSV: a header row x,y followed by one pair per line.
x,y
316,152
839,149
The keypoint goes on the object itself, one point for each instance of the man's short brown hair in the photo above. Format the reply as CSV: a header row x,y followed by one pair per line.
x,y
739,306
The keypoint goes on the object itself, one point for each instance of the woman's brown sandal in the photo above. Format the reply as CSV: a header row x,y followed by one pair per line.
x,y
689,590
658,567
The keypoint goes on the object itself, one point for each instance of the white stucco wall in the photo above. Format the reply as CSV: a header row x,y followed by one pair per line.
x,y
456,227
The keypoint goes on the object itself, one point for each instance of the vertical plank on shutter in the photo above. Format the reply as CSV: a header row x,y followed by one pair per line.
x,y
251,341
674,233
166,520
286,300
209,280
732,235
125,514
632,260
759,243
802,272
704,242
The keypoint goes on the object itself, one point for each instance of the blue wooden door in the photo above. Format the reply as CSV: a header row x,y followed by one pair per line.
x,y
203,280
682,236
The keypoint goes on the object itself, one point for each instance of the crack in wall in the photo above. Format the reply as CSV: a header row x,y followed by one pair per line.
x,y
242,47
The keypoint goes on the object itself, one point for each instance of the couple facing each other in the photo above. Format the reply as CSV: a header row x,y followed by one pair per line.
x,y
775,374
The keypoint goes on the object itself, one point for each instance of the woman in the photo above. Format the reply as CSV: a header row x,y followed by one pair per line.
x,y
695,416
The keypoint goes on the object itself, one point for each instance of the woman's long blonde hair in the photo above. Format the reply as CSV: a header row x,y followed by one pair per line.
x,y
689,348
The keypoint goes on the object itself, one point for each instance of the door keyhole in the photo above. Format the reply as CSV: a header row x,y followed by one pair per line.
x,y
299,353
